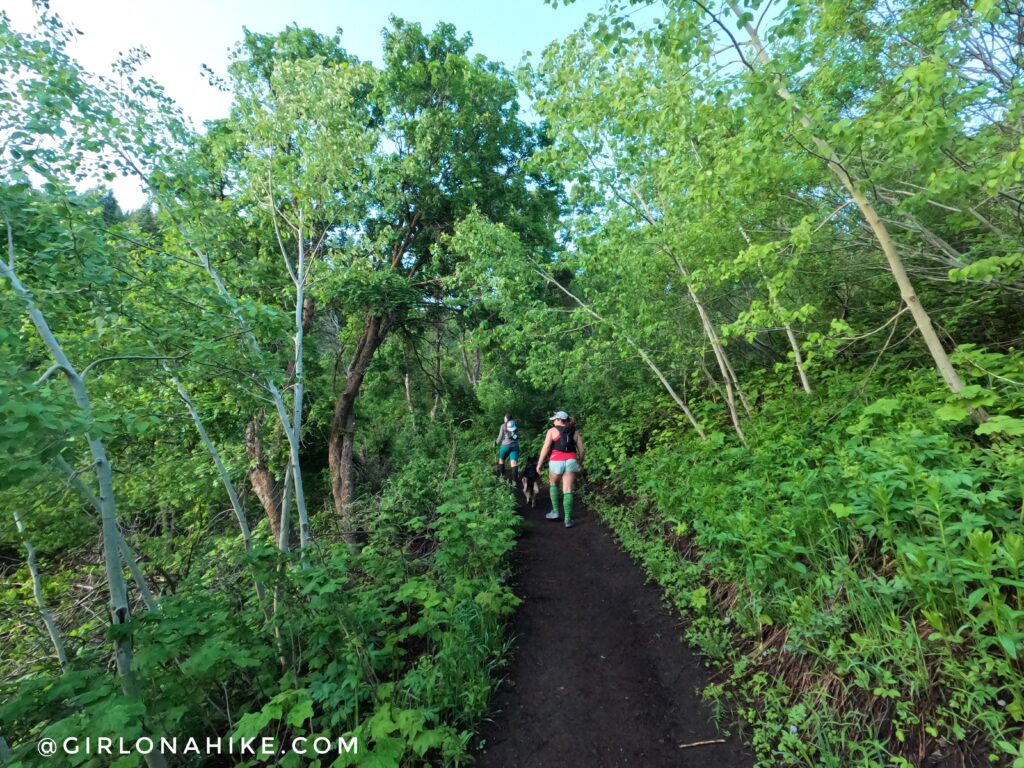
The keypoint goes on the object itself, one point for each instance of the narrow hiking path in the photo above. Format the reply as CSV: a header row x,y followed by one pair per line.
x,y
599,675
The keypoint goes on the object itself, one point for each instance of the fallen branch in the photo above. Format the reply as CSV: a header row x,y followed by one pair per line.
x,y
702,743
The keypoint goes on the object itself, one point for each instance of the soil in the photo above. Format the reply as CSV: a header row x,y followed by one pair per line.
x,y
599,675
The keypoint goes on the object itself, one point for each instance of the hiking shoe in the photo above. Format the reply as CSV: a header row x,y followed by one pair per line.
x,y
570,523
552,515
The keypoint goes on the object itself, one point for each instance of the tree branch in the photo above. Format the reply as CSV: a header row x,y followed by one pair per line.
x,y
50,371
130,357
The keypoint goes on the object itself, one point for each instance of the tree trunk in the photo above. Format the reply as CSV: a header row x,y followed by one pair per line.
x,y
348,467
287,425
437,374
263,482
472,369
776,306
303,316
728,374
120,611
128,555
284,537
713,385
274,497
408,400
37,590
465,359
225,479
733,376
798,358
222,473
340,445
291,430
724,368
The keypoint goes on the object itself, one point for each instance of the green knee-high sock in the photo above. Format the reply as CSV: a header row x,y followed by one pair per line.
x,y
553,489
567,504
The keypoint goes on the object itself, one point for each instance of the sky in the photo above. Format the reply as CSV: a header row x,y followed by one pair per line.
x,y
182,35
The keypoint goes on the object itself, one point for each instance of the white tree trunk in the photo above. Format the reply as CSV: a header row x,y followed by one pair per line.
x,y
287,423
723,366
798,358
284,537
408,394
773,301
222,472
295,436
275,393
466,367
291,433
120,612
128,556
728,375
225,478
37,589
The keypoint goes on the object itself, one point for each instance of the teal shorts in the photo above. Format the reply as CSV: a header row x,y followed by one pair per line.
x,y
561,467
510,452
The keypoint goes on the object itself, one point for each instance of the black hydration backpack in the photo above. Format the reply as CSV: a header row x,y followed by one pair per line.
x,y
566,442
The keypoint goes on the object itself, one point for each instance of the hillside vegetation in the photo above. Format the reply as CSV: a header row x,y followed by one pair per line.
x,y
771,257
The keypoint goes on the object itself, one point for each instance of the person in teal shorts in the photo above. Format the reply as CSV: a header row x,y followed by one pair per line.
x,y
564,443
508,442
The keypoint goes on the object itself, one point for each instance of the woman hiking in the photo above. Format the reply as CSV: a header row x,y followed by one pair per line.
x,y
566,447
508,440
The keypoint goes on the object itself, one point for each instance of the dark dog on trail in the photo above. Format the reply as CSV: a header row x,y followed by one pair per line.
x,y
530,481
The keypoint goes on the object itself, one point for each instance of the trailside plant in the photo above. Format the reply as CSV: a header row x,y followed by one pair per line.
x,y
394,645
860,584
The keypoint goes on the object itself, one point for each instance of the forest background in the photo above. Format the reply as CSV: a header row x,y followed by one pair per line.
x,y
770,255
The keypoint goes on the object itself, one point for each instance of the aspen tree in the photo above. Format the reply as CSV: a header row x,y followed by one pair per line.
x,y
120,611
867,209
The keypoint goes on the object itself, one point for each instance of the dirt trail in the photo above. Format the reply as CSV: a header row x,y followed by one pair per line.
x,y
599,675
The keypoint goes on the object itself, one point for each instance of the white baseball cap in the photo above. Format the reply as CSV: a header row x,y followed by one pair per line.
x,y
560,415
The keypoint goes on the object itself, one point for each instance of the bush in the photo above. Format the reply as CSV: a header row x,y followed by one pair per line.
x,y
855,571
392,644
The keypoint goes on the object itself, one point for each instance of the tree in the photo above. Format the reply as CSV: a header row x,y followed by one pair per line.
x,y
453,143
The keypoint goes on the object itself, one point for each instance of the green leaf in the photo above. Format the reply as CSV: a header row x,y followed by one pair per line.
x,y
841,510
1001,424
301,711
946,19
952,412
885,406
427,740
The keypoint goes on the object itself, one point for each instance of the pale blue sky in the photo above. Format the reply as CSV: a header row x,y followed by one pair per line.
x,y
181,35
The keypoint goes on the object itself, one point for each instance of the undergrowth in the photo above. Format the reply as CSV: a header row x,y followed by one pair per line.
x,y
393,642
854,573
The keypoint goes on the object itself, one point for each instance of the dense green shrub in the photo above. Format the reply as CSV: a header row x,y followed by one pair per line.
x,y
392,644
855,570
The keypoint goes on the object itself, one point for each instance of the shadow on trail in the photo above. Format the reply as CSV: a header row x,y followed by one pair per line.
x,y
599,675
